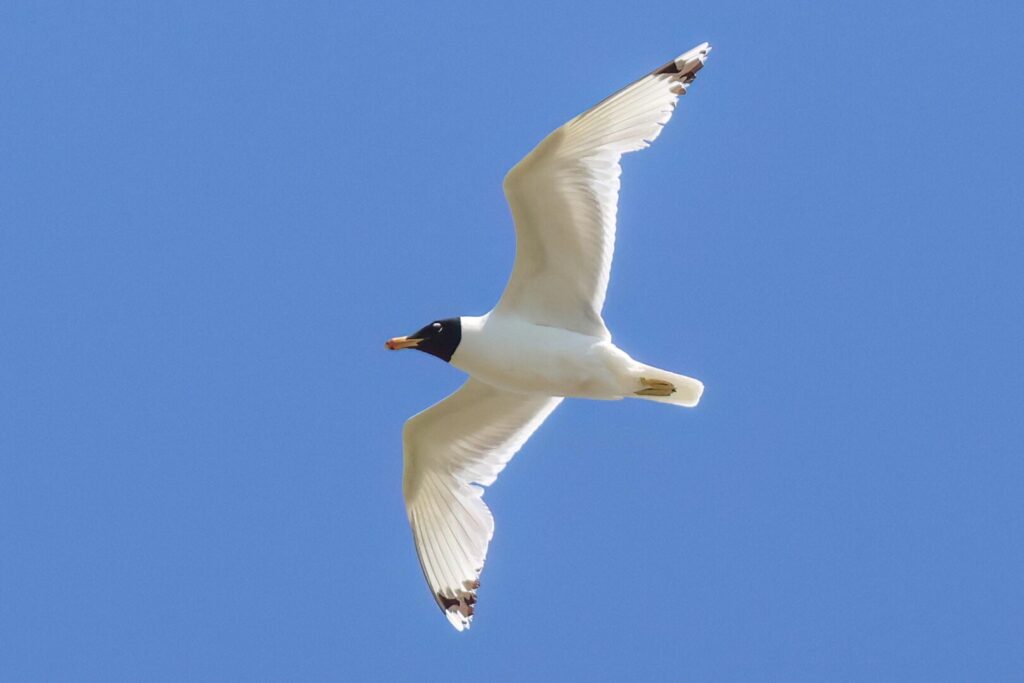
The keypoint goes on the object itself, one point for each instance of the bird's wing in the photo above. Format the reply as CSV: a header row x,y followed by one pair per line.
x,y
564,197
451,450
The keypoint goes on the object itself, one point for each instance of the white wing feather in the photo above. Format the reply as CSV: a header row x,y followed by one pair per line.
x,y
464,440
564,197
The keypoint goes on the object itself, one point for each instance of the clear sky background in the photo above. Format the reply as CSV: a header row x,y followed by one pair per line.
x,y
212,215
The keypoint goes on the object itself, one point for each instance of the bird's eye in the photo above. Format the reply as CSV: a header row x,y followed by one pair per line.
x,y
437,326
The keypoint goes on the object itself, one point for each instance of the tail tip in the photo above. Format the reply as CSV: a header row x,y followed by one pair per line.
x,y
697,390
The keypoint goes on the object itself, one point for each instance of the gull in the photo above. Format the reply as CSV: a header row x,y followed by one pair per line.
x,y
545,339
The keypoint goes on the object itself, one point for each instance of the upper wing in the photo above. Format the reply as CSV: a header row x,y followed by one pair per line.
x,y
465,439
564,197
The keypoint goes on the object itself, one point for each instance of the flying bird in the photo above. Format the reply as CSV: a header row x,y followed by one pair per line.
x,y
545,339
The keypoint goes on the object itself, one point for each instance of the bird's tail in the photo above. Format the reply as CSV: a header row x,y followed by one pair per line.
x,y
663,386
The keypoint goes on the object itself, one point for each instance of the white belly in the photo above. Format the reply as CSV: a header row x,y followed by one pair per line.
x,y
512,354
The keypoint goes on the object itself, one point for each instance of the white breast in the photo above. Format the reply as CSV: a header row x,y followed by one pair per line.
x,y
510,353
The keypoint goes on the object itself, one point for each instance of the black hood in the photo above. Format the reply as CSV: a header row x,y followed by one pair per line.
x,y
440,338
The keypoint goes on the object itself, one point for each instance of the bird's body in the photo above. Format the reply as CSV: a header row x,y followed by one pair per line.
x,y
545,340
514,354
519,356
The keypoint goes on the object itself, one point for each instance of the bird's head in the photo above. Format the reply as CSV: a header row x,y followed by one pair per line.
x,y
440,338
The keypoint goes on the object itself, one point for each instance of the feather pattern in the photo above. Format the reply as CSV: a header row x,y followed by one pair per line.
x,y
451,450
564,199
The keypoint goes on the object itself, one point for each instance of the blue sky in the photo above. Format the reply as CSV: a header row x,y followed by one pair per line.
x,y
212,216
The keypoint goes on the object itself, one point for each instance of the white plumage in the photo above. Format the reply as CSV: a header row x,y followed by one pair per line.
x,y
451,447
544,340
